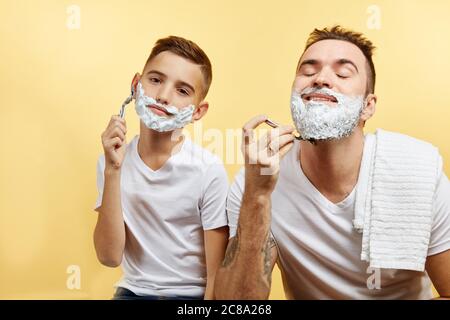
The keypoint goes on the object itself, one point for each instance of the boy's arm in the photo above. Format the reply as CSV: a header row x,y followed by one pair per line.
x,y
215,245
109,234
214,221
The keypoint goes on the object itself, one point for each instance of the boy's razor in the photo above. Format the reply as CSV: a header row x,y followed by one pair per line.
x,y
124,104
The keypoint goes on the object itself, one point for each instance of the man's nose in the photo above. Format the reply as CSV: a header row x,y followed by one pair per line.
x,y
163,95
323,79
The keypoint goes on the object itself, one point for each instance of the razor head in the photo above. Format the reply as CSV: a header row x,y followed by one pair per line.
x,y
276,125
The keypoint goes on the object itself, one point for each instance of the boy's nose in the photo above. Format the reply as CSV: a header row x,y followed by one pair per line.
x,y
162,96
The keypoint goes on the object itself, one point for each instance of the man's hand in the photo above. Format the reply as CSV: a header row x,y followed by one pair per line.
x,y
246,271
114,142
262,157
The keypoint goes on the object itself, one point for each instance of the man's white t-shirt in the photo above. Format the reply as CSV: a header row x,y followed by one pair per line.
x,y
318,248
166,212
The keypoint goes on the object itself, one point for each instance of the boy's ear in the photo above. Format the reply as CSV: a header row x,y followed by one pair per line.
x,y
200,111
134,83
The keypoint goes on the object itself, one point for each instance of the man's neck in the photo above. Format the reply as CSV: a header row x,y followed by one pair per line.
x,y
333,166
155,148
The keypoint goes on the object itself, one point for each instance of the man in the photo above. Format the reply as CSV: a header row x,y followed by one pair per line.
x,y
298,211
161,199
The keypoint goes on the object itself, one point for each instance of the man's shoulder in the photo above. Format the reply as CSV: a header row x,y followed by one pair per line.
x,y
402,138
411,148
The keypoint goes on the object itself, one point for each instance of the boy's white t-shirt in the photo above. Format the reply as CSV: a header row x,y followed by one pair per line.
x,y
166,212
318,249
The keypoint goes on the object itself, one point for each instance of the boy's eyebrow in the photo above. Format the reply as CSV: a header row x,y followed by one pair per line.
x,y
187,85
342,61
179,81
157,72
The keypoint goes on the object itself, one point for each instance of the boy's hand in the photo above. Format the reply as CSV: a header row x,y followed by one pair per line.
x,y
114,142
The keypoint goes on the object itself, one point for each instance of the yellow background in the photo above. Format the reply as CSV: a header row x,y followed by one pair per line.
x,y
60,86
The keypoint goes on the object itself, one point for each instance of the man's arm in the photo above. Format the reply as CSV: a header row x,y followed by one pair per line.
x,y
438,260
246,271
109,234
215,244
438,269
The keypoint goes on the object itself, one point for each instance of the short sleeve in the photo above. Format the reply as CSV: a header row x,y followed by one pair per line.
x,y
440,230
100,181
234,200
212,206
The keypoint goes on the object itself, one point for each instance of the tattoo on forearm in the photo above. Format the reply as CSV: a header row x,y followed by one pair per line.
x,y
271,241
232,248
266,251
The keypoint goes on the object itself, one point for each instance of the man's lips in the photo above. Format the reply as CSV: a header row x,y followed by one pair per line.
x,y
319,97
158,110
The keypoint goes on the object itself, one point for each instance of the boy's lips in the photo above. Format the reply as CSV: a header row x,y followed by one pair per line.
x,y
158,110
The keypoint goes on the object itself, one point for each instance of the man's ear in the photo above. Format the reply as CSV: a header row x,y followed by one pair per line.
x,y
200,111
369,109
134,83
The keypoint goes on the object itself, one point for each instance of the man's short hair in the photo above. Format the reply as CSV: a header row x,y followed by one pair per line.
x,y
339,33
188,50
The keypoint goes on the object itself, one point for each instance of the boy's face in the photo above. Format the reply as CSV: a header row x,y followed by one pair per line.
x,y
173,81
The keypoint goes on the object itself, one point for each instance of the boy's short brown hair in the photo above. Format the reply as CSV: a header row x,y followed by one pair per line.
x,y
186,49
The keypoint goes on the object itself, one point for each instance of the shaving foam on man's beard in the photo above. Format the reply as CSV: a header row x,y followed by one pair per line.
x,y
177,119
316,120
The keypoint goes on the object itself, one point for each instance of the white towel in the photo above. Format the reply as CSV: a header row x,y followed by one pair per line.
x,y
394,200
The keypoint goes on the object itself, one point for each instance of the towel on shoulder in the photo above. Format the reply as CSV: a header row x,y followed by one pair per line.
x,y
394,200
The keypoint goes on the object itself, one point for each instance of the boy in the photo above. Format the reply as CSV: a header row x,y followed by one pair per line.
x,y
161,199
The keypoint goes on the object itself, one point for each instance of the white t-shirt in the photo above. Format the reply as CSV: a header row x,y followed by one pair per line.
x,y
166,212
318,248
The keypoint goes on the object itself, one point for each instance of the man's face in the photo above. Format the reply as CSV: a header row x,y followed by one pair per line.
x,y
172,81
333,64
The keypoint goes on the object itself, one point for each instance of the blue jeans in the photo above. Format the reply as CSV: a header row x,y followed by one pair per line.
x,y
125,294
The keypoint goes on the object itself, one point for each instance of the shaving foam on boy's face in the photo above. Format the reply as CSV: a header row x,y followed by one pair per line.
x,y
323,114
159,117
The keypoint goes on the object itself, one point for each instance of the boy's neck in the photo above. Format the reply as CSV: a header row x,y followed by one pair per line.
x,y
155,148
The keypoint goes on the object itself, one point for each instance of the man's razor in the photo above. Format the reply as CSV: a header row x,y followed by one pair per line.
x,y
276,125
